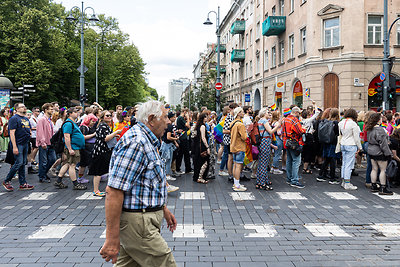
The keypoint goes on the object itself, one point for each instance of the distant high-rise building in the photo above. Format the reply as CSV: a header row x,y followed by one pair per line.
x,y
175,89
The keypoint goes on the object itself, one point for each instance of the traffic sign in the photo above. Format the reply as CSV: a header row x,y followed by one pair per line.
x,y
20,88
247,98
26,95
85,69
218,86
16,97
28,86
30,90
382,77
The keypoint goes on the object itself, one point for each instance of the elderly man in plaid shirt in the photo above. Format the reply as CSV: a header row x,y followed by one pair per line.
x,y
137,194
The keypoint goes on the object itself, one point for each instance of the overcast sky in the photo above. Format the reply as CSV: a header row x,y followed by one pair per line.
x,y
169,33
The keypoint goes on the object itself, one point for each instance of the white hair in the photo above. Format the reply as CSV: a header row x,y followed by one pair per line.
x,y
262,112
144,110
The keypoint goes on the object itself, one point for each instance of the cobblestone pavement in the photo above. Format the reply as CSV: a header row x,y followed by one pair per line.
x,y
321,225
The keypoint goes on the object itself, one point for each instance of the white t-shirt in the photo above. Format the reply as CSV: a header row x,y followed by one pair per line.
x,y
58,125
33,122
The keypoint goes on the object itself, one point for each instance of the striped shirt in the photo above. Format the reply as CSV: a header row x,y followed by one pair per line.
x,y
137,169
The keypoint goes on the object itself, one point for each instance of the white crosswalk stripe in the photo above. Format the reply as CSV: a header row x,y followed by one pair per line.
x,y
88,196
103,235
239,196
52,231
325,230
262,230
189,230
38,196
341,195
388,229
291,196
395,196
192,195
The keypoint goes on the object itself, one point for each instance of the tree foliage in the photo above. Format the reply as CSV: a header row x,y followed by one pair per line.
x,y
39,46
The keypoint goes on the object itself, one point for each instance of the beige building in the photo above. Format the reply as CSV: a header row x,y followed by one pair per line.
x,y
277,50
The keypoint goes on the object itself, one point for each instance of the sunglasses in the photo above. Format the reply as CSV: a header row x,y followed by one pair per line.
x,y
108,115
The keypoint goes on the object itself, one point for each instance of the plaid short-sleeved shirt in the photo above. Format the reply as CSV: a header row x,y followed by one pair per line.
x,y
137,169
227,137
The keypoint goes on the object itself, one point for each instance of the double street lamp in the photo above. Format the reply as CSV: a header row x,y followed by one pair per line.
x,y
208,22
97,76
82,18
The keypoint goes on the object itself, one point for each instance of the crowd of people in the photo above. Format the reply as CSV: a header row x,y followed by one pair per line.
x,y
78,143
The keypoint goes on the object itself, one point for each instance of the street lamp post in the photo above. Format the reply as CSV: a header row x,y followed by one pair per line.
x,y
97,76
93,18
218,92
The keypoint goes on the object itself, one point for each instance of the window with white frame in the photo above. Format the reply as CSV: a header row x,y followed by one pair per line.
x,y
237,76
398,31
273,56
331,32
251,37
291,46
374,29
251,7
258,31
281,52
251,68
247,71
247,40
282,7
257,64
266,61
303,40
291,6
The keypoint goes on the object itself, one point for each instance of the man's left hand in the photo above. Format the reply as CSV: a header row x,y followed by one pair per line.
x,y
170,218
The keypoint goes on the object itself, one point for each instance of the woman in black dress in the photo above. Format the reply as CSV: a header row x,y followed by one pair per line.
x,y
101,152
200,145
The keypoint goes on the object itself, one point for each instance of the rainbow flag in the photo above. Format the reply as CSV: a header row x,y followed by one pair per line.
x,y
307,92
218,131
286,111
384,125
273,107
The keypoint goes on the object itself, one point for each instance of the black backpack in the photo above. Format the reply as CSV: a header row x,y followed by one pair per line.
x,y
326,133
57,140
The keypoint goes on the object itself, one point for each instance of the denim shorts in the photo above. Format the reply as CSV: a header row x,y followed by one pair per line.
x,y
238,157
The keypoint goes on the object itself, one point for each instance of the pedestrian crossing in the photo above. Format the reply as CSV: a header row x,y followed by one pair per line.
x,y
199,231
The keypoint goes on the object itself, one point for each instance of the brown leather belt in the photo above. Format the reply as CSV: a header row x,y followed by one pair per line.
x,y
149,209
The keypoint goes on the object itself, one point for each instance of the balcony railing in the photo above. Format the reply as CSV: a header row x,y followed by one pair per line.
x,y
222,48
238,27
238,55
274,25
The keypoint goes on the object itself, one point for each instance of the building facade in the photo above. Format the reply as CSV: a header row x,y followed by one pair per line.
x,y
175,89
294,51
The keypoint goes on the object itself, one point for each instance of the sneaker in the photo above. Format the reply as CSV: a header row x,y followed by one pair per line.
x,y
53,172
374,188
46,180
66,175
321,179
349,186
368,185
277,171
171,188
384,191
284,169
342,184
233,186
26,186
179,173
99,194
80,186
170,178
288,182
297,185
253,176
241,188
82,180
8,186
60,185
223,173
334,181
16,177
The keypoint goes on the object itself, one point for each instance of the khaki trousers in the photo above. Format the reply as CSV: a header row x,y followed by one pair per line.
x,y
141,241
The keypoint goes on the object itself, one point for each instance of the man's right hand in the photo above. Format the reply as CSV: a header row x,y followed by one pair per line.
x,y
71,152
110,251
44,146
15,151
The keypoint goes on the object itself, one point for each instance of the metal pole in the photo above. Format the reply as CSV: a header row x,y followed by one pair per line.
x,y
97,78
218,93
82,76
386,54
190,86
23,93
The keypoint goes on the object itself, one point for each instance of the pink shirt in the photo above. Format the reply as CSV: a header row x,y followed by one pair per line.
x,y
44,131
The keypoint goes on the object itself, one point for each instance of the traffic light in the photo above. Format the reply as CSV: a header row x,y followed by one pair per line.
x,y
379,87
393,85
83,97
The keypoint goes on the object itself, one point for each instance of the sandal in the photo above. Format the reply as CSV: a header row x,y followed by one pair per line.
x,y
99,194
264,187
60,185
202,181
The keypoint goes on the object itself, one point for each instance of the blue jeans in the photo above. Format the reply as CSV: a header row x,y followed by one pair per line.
x,y
348,159
278,153
292,166
19,164
369,164
47,157
224,160
238,157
